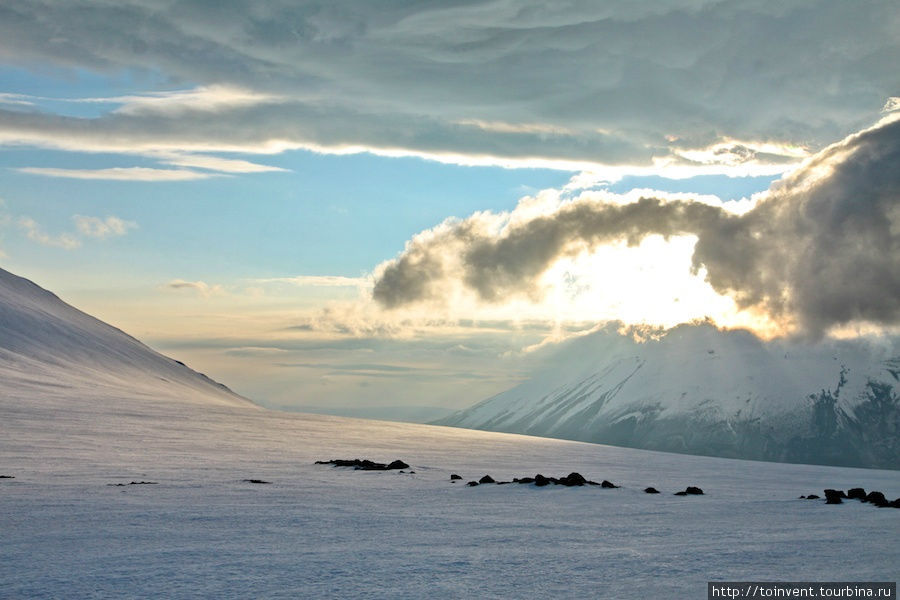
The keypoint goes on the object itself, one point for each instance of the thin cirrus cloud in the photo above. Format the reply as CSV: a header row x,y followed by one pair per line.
x,y
120,173
167,105
578,85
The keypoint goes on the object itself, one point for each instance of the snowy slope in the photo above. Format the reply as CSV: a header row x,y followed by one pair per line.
x,y
326,532
51,349
704,391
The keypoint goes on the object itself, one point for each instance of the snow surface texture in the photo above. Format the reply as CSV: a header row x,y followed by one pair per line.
x,y
319,531
51,349
700,390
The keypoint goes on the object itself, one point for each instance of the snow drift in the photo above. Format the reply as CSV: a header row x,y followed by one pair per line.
x,y
51,350
700,390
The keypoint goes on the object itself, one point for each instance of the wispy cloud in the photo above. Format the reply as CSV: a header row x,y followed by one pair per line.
x,y
120,173
86,227
96,227
15,99
205,98
214,163
36,233
200,287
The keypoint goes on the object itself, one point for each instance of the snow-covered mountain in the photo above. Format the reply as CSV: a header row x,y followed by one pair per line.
x,y
701,390
52,351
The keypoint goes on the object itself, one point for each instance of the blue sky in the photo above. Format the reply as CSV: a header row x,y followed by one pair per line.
x,y
342,205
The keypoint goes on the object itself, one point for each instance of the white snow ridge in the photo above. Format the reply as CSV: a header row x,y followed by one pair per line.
x,y
86,410
51,350
701,390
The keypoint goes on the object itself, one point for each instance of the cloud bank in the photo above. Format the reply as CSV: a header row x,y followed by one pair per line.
x,y
820,249
574,84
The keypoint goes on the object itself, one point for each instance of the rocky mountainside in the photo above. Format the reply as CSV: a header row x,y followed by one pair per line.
x,y
701,390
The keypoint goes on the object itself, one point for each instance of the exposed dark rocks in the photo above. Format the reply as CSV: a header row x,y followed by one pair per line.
x,y
681,493
834,496
472,483
651,490
874,497
608,485
572,479
454,477
132,483
856,493
6,477
690,491
364,464
812,497
255,481
878,499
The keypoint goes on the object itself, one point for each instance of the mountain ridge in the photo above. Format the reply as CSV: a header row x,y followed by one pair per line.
x,y
701,390
51,349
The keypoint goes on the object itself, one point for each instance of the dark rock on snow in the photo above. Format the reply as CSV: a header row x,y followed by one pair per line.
x,y
472,483
856,493
454,477
573,479
364,464
877,498
487,479
255,481
651,490
609,485
834,496
132,483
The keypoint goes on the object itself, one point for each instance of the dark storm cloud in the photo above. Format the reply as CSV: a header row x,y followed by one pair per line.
x,y
821,249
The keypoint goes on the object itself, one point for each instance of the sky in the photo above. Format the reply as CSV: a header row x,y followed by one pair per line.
x,y
396,208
